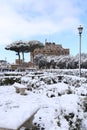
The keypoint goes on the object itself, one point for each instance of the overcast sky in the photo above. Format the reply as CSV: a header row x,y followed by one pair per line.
x,y
54,20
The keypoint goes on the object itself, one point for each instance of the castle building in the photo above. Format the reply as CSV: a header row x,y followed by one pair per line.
x,y
50,49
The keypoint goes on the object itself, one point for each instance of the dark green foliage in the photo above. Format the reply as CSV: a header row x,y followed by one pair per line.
x,y
52,95
9,81
69,91
85,104
67,117
73,125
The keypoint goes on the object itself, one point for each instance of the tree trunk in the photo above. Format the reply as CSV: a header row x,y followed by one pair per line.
x,y
23,56
19,57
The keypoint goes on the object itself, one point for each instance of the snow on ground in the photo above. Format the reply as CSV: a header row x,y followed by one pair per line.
x,y
62,100
12,107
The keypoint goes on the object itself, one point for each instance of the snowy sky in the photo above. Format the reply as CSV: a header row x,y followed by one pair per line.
x,y
56,21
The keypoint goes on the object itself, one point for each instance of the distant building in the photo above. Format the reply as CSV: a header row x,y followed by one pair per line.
x,y
4,66
21,65
50,49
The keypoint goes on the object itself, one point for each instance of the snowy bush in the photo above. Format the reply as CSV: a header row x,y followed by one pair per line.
x,y
62,62
9,80
62,98
85,104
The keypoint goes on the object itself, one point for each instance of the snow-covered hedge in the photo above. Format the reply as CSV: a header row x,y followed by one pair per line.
x,y
68,62
62,98
67,97
8,78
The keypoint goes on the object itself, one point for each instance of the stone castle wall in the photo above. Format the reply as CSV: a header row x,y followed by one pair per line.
x,y
50,49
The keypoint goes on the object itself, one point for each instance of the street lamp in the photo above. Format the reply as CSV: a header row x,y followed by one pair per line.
x,y
80,28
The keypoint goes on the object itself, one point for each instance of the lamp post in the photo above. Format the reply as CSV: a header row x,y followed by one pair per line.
x,y
80,28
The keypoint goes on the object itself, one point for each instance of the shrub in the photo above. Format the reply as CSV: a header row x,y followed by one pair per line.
x,y
9,80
